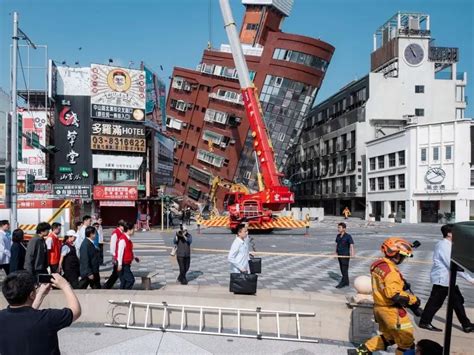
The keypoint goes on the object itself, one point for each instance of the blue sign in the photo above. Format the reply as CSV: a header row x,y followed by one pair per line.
x,y
150,91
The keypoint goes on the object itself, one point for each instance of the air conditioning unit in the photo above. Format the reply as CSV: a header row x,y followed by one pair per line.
x,y
184,124
189,106
232,141
223,145
187,86
237,119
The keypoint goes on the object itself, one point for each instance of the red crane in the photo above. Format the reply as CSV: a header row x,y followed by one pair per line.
x,y
254,208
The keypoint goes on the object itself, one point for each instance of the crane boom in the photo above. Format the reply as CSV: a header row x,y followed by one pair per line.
x,y
262,144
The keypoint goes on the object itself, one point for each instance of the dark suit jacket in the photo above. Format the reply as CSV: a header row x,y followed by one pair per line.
x,y
88,258
17,259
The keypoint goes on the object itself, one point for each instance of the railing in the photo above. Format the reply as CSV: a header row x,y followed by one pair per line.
x,y
238,101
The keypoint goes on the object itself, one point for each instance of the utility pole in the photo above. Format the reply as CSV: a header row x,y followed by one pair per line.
x,y
14,130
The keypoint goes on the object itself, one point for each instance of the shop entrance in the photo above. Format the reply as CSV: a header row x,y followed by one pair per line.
x,y
429,211
378,212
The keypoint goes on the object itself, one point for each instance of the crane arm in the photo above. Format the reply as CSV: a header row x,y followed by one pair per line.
x,y
261,140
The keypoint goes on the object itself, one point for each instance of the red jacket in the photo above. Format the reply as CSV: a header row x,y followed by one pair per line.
x,y
55,252
128,252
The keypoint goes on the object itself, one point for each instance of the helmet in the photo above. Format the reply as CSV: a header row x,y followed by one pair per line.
x,y
396,245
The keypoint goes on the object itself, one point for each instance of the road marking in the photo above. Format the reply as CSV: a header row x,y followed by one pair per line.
x,y
223,251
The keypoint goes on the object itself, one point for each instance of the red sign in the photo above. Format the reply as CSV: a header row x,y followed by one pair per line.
x,y
122,193
117,204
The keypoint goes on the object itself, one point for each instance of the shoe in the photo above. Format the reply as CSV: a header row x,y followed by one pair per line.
x,y
468,329
341,285
429,327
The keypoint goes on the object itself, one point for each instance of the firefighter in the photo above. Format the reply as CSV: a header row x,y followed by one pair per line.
x,y
391,300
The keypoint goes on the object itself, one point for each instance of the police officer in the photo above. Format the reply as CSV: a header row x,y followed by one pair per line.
x,y
391,299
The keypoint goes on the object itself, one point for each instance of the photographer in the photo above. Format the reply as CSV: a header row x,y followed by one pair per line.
x,y
30,330
183,242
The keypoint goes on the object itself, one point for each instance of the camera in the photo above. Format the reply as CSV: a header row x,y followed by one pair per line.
x,y
44,278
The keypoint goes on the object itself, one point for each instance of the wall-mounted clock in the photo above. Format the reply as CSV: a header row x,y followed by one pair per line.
x,y
414,54
435,176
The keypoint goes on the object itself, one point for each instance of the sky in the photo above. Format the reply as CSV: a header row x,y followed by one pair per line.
x,y
168,33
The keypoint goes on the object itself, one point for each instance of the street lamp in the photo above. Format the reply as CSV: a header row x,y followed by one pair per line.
x,y
18,34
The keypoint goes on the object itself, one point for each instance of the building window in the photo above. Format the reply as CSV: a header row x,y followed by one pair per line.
x,y
472,177
460,93
435,153
391,182
372,184
381,183
423,155
252,26
381,160
391,160
401,158
420,112
401,181
449,152
419,89
459,113
300,58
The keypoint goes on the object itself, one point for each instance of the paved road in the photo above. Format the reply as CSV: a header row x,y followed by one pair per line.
x,y
292,260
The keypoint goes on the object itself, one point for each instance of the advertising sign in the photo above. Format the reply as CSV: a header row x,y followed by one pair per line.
x,y
151,94
34,160
125,193
2,191
73,159
118,137
117,204
72,191
117,93
121,162
163,160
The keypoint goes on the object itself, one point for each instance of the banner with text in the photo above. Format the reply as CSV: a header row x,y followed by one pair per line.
x,y
117,93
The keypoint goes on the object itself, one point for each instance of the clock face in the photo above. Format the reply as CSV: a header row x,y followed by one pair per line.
x,y
414,54
435,176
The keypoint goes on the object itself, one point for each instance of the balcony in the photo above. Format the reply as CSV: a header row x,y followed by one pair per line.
x,y
443,54
225,96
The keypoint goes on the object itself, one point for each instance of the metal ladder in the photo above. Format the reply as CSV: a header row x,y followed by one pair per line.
x,y
164,323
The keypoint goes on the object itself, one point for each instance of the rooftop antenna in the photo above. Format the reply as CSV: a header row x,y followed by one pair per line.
x,y
209,42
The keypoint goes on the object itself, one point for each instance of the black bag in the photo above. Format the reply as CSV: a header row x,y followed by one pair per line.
x,y
255,265
243,283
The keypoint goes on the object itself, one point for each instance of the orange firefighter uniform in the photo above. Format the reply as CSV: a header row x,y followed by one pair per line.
x,y
390,302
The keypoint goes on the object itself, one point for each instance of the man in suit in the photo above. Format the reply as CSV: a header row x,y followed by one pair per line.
x,y
89,261
36,258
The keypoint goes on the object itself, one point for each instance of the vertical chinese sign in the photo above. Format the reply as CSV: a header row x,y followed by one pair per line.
x,y
73,162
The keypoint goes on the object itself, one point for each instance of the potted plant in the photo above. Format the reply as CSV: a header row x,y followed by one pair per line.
x,y
440,218
371,217
449,217
391,218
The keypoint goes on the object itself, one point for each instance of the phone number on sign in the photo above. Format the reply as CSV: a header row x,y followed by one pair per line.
x,y
116,143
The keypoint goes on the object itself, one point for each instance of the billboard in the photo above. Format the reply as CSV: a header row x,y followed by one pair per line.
x,y
124,193
163,160
118,137
71,131
117,93
151,93
34,160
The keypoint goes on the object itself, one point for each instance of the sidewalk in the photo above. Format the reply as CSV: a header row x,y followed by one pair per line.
x,y
102,340
331,325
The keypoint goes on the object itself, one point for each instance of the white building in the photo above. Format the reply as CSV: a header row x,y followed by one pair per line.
x,y
411,81
422,173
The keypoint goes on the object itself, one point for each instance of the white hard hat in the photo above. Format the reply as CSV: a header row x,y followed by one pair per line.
x,y
71,233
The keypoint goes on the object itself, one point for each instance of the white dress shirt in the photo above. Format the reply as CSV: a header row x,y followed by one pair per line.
x,y
441,263
239,255
113,243
80,239
5,245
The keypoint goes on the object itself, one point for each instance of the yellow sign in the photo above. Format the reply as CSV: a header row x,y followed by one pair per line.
x,y
120,144
2,191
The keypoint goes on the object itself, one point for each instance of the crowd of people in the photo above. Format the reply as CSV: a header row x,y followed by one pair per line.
x,y
80,253
77,257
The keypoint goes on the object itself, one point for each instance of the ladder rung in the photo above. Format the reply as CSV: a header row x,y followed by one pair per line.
x,y
167,326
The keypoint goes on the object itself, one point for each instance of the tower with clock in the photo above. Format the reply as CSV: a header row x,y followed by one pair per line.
x,y
417,78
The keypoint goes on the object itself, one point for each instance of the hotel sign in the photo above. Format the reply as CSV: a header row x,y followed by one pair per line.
x,y
118,137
